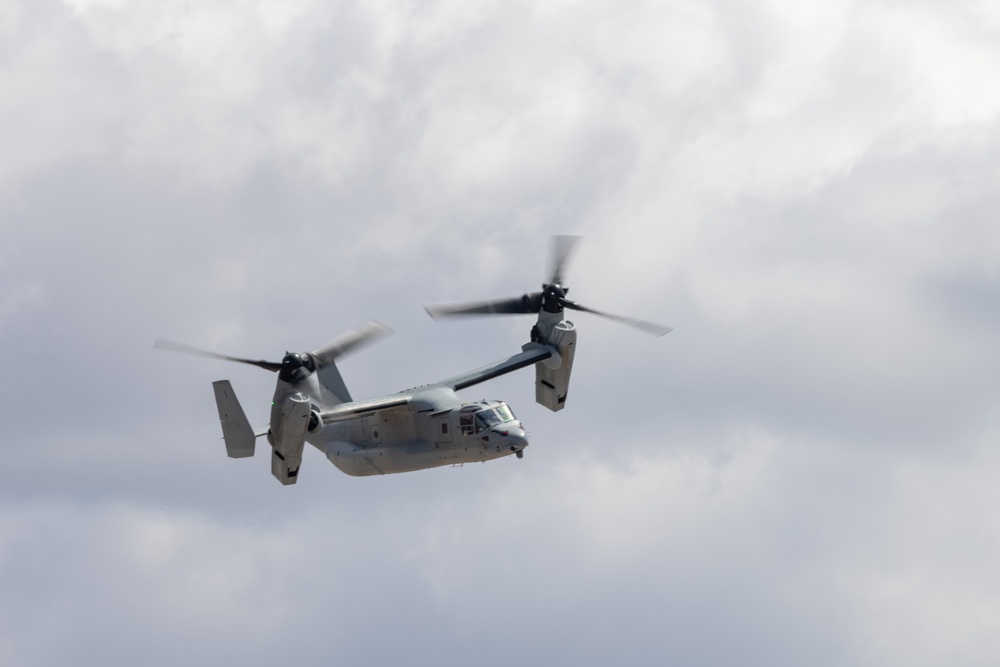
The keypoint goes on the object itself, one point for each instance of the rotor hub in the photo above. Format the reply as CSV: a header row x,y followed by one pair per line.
x,y
553,295
296,364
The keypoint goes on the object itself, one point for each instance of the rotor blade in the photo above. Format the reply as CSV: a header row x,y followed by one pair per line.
x,y
528,303
348,342
562,248
162,344
648,327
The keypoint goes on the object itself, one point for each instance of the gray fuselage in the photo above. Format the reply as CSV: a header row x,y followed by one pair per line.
x,y
432,428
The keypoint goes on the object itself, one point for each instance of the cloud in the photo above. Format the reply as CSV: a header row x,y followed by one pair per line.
x,y
797,473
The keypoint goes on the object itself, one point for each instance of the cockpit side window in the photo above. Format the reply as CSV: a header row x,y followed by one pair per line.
x,y
466,418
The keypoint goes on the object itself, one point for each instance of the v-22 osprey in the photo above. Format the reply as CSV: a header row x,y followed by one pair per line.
x,y
418,428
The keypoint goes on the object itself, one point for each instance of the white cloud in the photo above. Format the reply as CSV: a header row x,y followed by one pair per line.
x,y
924,588
799,470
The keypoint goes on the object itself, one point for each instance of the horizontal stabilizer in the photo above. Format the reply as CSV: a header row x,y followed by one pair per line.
x,y
236,430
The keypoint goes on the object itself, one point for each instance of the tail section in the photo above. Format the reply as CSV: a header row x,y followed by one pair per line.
x,y
236,430
333,391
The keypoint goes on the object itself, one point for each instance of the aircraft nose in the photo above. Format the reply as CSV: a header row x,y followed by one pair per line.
x,y
517,438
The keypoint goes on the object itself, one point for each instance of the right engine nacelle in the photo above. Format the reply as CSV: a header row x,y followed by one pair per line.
x,y
552,376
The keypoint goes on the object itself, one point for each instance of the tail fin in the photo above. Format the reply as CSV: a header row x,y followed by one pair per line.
x,y
336,391
236,430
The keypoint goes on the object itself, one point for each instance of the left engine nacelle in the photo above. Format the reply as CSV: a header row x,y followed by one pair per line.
x,y
289,424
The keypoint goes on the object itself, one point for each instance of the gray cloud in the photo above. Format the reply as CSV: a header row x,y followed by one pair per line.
x,y
798,473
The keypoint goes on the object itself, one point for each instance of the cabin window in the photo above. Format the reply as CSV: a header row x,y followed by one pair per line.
x,y
444,428
465,420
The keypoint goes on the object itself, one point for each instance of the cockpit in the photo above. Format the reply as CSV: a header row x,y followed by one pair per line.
x,y
478,417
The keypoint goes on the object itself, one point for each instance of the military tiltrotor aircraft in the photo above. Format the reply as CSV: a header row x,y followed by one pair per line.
x,y
422,427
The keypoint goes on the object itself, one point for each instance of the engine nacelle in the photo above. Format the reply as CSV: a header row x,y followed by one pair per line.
x,y
552,379
289,423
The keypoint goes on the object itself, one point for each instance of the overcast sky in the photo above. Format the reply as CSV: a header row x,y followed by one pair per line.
x,y
803,473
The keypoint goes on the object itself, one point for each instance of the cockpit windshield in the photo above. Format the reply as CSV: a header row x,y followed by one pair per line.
x,y
505,414
490,417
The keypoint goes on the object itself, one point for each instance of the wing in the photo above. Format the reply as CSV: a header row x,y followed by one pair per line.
x,y
532,354
346,411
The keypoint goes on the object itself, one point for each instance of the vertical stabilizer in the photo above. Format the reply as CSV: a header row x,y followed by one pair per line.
x,y
236,430
336,391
